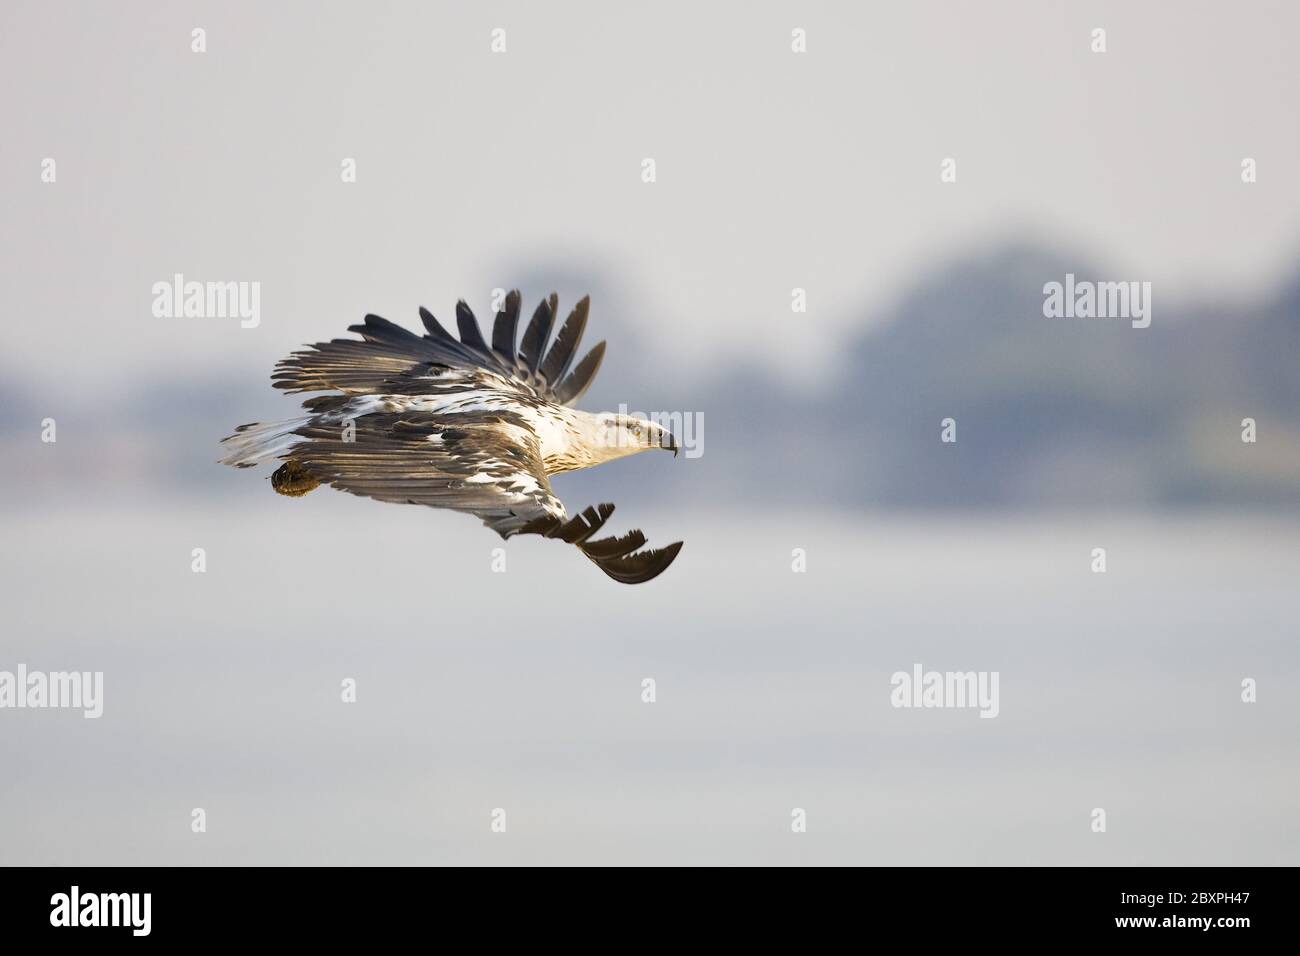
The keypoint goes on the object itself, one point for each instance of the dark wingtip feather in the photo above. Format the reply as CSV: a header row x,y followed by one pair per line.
x,y
640,567
580,379
376,328
614,547
539,329
468,325
434,327
506,325
618,557
560,357
582,526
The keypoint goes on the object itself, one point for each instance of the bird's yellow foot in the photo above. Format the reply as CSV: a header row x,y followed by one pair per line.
x,y
293,480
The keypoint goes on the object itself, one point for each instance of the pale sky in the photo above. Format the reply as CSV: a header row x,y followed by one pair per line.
x,y
774,169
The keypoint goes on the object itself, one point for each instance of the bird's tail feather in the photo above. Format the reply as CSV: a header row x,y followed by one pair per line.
x,y
255,443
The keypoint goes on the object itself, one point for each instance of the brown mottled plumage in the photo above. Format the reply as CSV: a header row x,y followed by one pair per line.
x,y
460,424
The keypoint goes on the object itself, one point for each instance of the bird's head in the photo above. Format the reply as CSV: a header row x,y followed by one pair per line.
x,y
621,435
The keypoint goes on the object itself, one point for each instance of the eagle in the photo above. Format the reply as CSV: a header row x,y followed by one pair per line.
x,y
459,423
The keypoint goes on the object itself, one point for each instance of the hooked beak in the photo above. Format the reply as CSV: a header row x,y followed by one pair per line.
x,y
667,441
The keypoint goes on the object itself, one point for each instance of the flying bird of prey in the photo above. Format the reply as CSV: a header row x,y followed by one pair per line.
x,y
460,424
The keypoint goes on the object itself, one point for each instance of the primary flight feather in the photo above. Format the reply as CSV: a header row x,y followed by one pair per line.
x,y
460,424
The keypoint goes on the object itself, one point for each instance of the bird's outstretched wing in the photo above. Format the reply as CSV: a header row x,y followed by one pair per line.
x,y
484,463
617,557
388,353
487,464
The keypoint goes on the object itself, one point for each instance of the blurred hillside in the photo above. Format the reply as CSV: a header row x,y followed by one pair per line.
x,y
1051,413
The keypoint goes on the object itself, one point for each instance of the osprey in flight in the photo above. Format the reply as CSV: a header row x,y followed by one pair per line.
x,y
461,424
